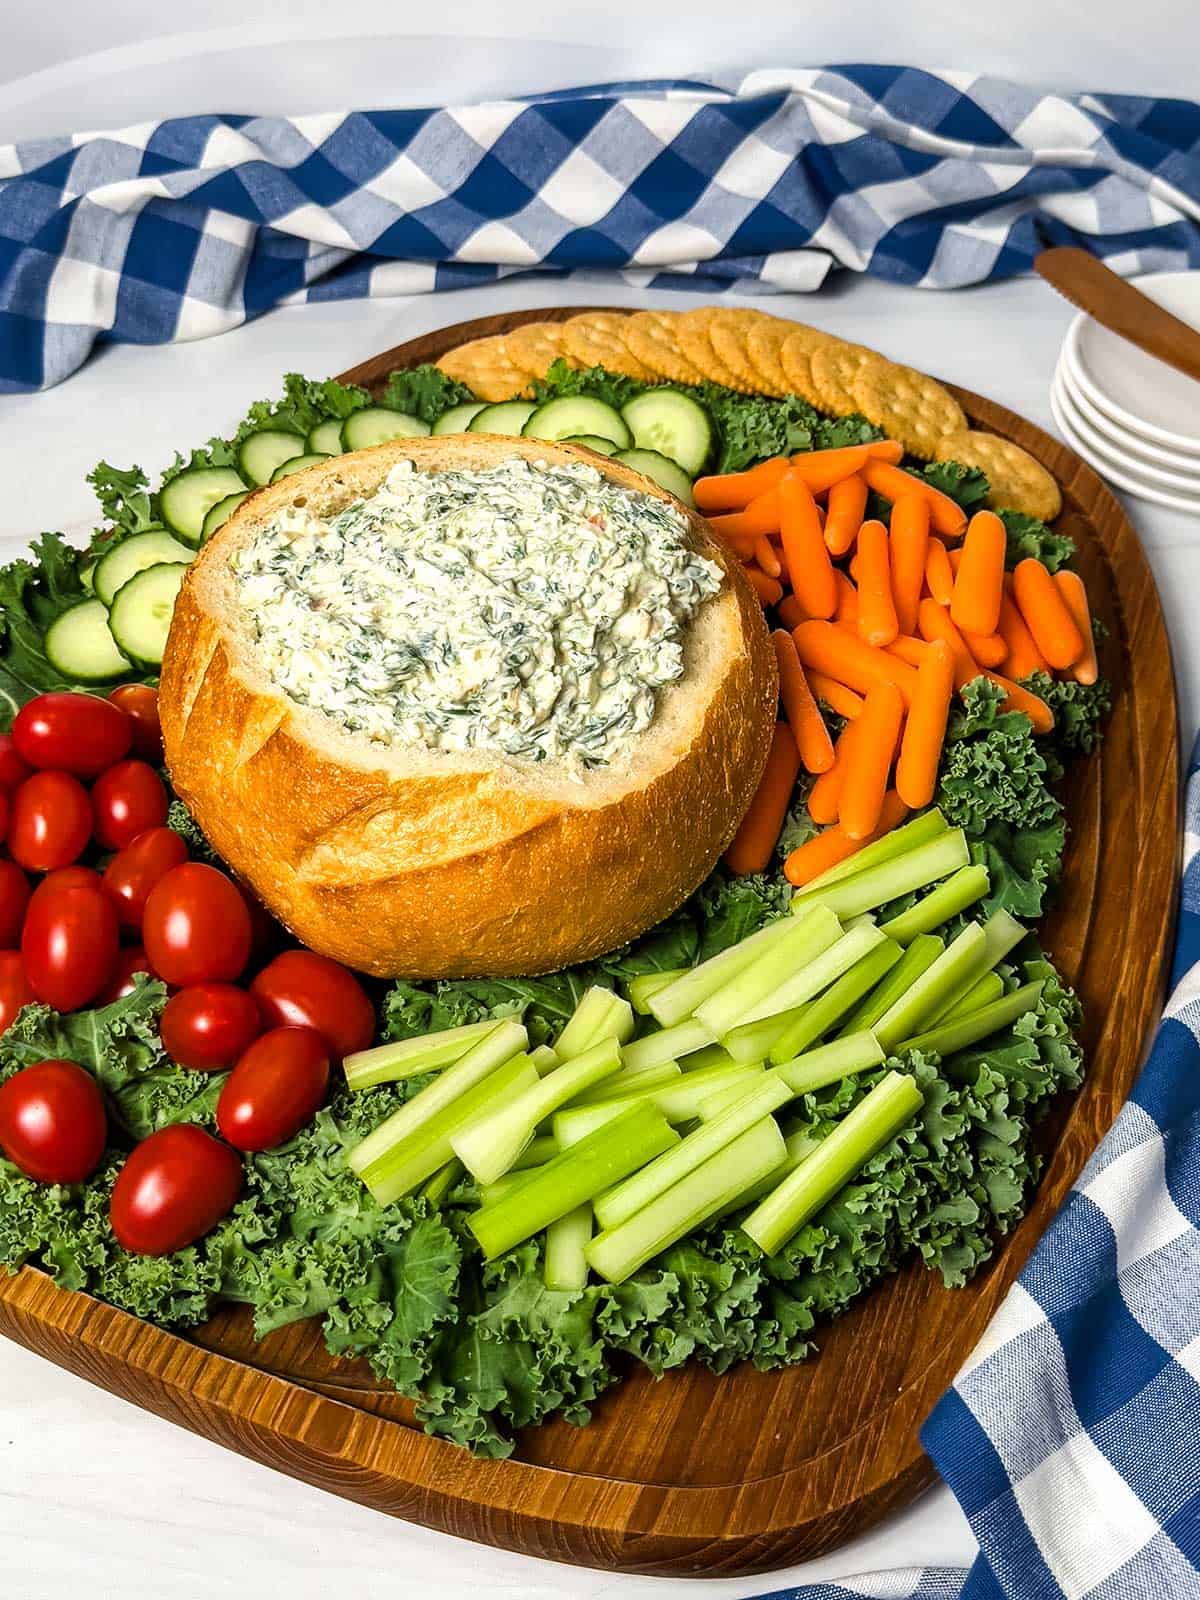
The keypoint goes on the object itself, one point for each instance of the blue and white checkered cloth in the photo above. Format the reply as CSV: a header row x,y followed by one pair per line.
x,y
188,227
1071,1437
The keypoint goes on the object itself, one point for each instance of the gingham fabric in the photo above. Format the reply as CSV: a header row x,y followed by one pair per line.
x,y
1071,1437
187,227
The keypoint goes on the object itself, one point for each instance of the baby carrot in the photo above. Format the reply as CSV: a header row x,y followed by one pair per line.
x,y
905,648
908,544
1046,614
925,729
804,548
945,516
868,761
840,655
769,590
988,649
755,839
1018,699
730,491
843,518
1023,657
804,719
825,795
835,695
847,600
791,612
760,516
821,469
933,622
877,622
765,555
979,582
939,575
835,845
890,450
1070,586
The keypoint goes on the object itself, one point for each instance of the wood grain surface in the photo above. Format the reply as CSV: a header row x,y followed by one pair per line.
x,y
695,1474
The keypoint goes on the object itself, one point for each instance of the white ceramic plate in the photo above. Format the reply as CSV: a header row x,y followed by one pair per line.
x,y
1134,389
1119,450
1118,475
1143,450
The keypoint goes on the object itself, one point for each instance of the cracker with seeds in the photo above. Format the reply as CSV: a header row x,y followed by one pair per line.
x,y
534,345
651,339
1018,481
729,331
597,339
836,368
487,369
692,330
907,404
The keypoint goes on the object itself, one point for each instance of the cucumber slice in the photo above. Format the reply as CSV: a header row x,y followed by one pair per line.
x,y
378,424
140,615
593,441
458,418
80,645
134,555
568,417
263,451
510,416
187,499
221,513
326,438
87,576
668,475
298,464
672,423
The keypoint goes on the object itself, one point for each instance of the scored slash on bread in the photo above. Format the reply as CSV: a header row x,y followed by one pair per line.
x,y
403,861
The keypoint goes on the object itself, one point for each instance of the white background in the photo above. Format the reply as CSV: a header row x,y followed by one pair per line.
x,y
95,1495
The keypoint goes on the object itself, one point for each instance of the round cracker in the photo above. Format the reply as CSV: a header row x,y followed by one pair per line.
x,y
729,331
795,357
692,331
836,367
596,339
534,345
764,341
907,404
1018,482
487,369
651,338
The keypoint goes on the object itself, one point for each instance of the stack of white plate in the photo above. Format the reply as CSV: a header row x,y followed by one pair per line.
x,y
1136,420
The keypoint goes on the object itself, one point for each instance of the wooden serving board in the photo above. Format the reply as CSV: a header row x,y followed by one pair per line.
x,y
697,1474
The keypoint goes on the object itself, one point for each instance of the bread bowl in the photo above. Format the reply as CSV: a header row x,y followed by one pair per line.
x,y
401,860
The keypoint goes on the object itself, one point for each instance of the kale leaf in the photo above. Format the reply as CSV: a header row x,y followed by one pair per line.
x,y
1029,536
424,392
1079,710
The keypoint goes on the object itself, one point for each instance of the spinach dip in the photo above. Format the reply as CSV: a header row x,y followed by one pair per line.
x,y
527,609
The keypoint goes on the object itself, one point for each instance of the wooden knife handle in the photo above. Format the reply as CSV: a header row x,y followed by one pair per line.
x,y
1124,310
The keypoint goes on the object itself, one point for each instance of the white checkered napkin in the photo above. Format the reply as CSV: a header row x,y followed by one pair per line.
x,y
186,227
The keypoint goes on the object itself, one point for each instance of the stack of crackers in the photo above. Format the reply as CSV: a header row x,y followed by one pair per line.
x,y
755,353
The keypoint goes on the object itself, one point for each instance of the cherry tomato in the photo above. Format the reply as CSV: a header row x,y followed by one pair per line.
x,y
70,944
133,871
127,800
196,928
72,733
276,1087
5,811
208,1026
14,898
173,1189
51,821
121,983
266,935
12,769
303,990
52,1122
139,702
14,987
69,878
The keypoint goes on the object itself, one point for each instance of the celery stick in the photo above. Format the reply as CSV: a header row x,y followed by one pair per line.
x,y
947,900
625,1083
960,1032
503,1041
440,1185
640,989
668,1044
708,1189
920,955
536,1153
544,1060
415,1157
877,1118
797,1146
814,1021
713,1055
735,1001
489,1146
678,1102
567,1238
931,988
601,1014
409,1058
490,1193
913,870
816,1070
1001,933
982,993
897,843
819,974
754,1041
750,1106
578,1174
679,999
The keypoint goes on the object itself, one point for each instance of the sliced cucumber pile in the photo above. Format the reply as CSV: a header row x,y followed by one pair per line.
x,y
297,464
573,415
593,441
80,644
326,438
378,424
672,424
668,475
509,416
261,452
458,418
140,615
133,556
187,499
221,513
